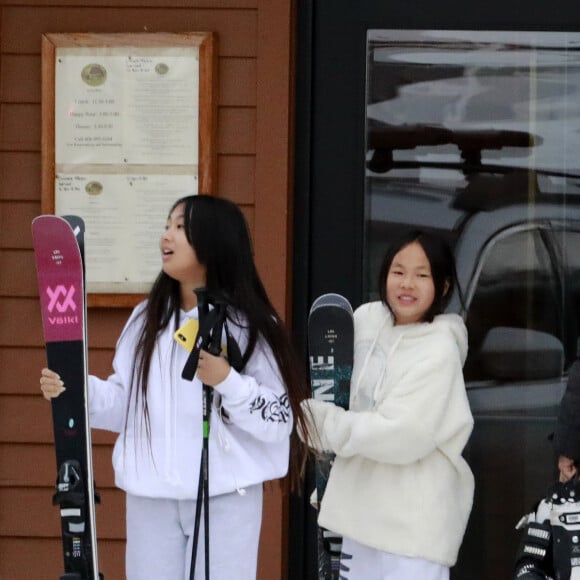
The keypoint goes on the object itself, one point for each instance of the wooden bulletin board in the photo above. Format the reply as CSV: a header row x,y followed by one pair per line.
x,y
128,127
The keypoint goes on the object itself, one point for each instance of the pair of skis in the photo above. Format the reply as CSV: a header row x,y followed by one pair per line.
x,y
330,346
58,249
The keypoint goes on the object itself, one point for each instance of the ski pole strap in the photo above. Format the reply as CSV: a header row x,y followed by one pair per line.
x,y
215,340
208,338
234,353
207,325
203,335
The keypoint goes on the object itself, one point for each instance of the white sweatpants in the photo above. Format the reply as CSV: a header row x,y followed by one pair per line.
x,y
160,537
359,562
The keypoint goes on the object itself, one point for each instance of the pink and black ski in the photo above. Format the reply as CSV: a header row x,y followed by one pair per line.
x,y
59,264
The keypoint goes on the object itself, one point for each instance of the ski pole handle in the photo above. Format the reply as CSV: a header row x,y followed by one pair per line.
x,y
202,337
215,340
202,302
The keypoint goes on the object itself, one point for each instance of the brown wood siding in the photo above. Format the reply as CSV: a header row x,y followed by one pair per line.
x,y
254,45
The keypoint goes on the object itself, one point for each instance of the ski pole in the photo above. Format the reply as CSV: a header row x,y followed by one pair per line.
x,y
202,309
210,341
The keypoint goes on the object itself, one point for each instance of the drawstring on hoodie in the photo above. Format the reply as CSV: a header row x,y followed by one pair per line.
x,y
368,355
171,407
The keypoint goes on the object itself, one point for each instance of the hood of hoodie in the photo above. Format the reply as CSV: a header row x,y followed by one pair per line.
x,y
380,317
456,327
377,339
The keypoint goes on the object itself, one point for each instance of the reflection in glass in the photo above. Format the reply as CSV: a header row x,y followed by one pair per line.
x,y
475,134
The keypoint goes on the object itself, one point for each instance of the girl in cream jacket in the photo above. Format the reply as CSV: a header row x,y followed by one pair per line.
x,y
399,491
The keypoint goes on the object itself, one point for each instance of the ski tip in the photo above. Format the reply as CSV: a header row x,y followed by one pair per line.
x,y
46,222
43,218
76,223
331,299
40,222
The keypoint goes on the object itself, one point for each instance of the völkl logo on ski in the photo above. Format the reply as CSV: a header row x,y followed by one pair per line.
x,y
54,295
60,301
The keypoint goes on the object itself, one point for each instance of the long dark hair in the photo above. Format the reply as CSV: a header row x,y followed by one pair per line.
x,y
442,264
218,232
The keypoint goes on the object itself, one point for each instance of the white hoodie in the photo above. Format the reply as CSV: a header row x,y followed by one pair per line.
x,y
247,445
399,482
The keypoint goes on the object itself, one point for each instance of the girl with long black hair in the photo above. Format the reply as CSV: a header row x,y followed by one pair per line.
x,y
158,414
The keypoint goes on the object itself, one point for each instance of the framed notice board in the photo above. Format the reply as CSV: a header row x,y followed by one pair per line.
x,y
128,127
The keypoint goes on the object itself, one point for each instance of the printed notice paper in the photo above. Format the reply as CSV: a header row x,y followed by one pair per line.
x,y
132,109
124,217
126,148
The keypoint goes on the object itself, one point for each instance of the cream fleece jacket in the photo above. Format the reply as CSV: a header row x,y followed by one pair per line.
x,y
399,482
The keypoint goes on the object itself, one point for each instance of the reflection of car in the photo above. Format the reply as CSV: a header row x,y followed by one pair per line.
x,y
522,316
475,134
515,238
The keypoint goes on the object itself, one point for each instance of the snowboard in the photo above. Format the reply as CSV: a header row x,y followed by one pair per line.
x,y
330,349
60,272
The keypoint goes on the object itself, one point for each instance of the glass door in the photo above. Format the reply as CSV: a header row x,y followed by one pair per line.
x,y
419,118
